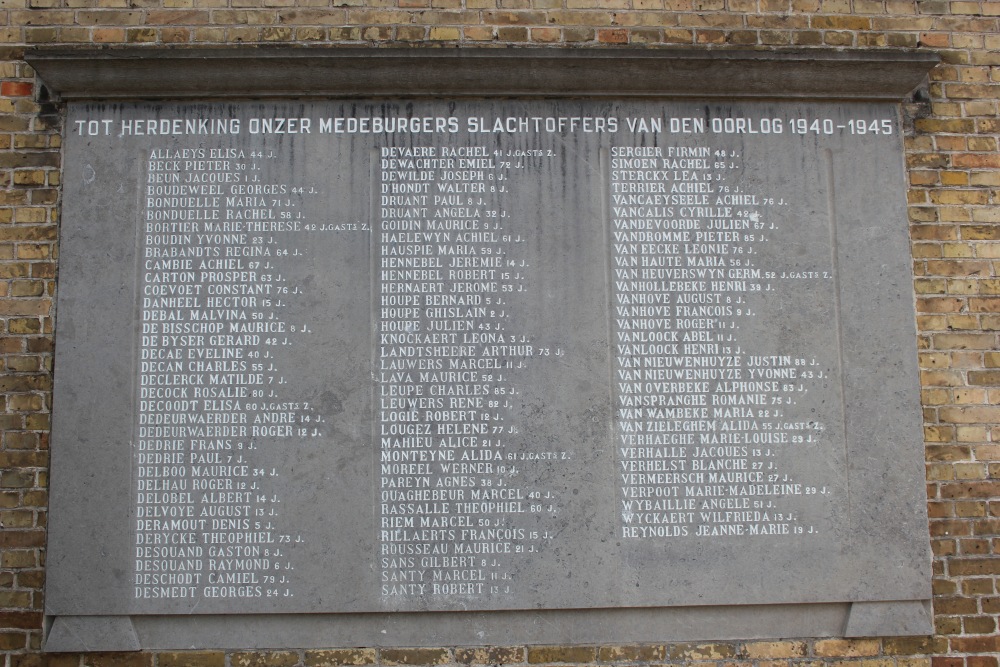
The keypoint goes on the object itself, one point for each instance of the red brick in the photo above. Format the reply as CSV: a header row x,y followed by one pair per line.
x,y
981,661
16,88
27,620
974,567
615,36
975,644
22,538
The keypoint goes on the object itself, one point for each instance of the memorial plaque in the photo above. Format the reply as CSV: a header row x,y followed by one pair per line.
x,y
362,357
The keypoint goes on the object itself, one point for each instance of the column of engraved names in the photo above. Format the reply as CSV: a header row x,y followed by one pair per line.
x,y
206,516
695,437
449,514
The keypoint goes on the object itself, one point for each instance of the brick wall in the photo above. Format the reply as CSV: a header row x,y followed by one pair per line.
x,y
954,175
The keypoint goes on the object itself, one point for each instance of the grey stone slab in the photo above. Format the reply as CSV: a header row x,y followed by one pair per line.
x,y
150,73
91,633
386,361
866,619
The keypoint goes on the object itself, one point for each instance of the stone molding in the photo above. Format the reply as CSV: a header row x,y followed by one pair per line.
x,y
221,73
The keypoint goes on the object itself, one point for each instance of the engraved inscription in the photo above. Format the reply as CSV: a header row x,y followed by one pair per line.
x,y
493,355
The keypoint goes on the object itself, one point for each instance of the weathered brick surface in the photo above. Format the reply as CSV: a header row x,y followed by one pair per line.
x,y
414,656
339,657
954,187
